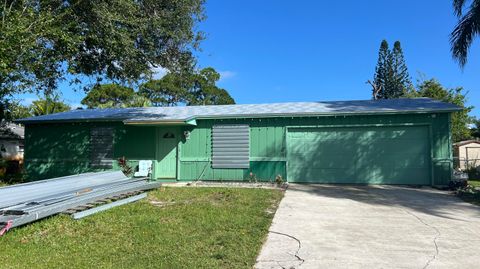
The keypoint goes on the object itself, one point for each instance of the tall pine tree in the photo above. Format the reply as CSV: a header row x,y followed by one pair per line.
x,y
391,78
381,70
401,83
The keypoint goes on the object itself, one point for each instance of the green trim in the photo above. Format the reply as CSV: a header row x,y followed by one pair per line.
x,y
195,159
432,169
450,150
252,159
191,122
357,125
329,114
154,123
268,159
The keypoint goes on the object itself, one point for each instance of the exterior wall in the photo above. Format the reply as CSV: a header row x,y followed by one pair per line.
x,y
268,146
267,151
11,150
62,149
468,156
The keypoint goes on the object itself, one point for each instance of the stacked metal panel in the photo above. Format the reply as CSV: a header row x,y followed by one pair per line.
x,y
24,203
230,146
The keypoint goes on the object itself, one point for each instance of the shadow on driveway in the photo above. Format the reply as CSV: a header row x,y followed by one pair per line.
x,y
345,226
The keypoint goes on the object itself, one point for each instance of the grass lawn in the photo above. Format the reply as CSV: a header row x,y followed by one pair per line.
x,y
173,228
474,183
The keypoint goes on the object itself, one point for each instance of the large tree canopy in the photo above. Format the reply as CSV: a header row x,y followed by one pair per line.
x,y
108,95
114,95
467,28
433,89
118,40
197,88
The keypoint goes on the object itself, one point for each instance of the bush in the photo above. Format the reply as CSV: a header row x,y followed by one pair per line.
x,y
11,172
126,169
473,173
469,194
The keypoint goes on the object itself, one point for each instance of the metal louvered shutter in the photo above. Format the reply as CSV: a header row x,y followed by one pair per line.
x,y
101,147
230,146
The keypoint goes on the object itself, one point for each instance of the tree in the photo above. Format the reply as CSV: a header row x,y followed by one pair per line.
x,y
198,88
118,40
138,101
391,78
108,95
18,111
48,105
467,28
381,70
28,54
401,83
460,120
170,90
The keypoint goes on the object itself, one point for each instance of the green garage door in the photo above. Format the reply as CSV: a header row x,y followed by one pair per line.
x,y
368,155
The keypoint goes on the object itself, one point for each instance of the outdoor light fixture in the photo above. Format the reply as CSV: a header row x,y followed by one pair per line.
x,y
186,134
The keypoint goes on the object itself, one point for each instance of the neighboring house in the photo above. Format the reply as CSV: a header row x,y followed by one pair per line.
x,y
398,141
11,141
467,154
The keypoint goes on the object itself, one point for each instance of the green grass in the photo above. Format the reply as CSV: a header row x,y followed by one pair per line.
x,y
474,183
195,228
470,197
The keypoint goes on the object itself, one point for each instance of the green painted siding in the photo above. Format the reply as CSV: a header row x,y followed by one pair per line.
x,y
53,150
61,149
267,152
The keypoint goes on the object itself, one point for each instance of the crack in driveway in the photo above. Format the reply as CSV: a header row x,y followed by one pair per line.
x,y
298,249
434,239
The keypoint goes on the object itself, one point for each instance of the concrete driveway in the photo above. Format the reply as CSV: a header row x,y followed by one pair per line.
x,y
332,226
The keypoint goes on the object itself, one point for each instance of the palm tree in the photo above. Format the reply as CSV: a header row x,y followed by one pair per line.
x,y
48,105
467,28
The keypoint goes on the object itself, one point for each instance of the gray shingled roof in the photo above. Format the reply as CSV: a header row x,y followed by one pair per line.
x,y
185,113
10,130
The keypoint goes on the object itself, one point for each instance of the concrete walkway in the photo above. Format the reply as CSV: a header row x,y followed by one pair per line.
x,y
332,226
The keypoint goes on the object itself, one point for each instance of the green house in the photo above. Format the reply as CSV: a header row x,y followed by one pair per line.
x,y
398,141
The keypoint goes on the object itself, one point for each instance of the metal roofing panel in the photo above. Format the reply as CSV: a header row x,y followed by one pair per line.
x,y
184,113
233,150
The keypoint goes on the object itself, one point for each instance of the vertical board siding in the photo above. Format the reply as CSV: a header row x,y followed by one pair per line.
x,y
61,149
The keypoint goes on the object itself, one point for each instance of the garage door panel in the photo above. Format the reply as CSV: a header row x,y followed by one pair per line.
x,y
373,155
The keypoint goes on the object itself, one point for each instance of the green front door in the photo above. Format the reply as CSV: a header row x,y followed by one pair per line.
x,y
365,155
167,141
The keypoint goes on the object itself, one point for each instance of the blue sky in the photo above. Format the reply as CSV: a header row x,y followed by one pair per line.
x,y
279,51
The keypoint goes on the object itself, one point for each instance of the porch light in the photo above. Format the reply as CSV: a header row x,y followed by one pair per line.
x,y
186,134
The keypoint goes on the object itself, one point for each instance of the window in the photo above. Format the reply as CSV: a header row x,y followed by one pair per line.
x,y
230,146
101,147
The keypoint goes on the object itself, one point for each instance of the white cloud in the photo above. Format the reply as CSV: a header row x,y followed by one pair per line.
x,y
28,101
76,105
159,72
226,74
